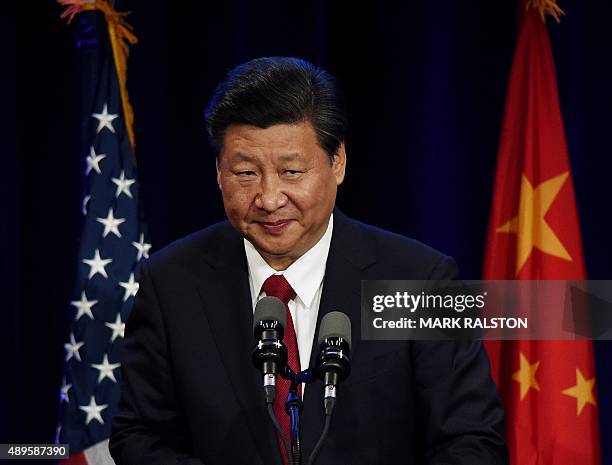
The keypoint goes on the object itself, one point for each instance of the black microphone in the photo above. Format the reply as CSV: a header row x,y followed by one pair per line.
x,y
333,362
333,365
269,353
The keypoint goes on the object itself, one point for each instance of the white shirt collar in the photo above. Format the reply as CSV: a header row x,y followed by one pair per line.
x,y
305,275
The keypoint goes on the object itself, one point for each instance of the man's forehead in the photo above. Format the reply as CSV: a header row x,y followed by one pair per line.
x,y
284,141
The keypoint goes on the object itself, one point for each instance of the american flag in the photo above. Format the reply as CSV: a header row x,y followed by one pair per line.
x,y
112,243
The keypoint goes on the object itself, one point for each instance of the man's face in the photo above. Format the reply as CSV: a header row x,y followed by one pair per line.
x,y
279,187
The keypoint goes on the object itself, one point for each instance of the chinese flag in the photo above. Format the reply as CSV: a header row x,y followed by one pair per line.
x,y
548,387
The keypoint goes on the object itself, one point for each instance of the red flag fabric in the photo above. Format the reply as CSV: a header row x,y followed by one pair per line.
x,y
548,387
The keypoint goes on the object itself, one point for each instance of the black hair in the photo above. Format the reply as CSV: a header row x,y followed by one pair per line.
x,y
279,90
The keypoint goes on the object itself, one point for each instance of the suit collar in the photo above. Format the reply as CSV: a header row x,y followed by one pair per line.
x,y
227,251
347,239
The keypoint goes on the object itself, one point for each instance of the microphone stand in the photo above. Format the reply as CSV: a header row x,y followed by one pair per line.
x,y
293,408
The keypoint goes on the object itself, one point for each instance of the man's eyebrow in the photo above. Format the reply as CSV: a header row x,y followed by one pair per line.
x,y
290,156
244,157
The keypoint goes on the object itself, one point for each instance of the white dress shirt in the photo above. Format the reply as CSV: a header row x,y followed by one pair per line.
x,y
305,276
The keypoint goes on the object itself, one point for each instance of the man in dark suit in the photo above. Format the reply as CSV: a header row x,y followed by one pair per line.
x,y
190,392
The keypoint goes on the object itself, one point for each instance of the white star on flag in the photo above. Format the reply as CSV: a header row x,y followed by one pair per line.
x,y
111,224
143,248
86,200
64,391
72,348
93,161
123,185
131,287
93,411
105,119
118,328
106,369
97,265
84,306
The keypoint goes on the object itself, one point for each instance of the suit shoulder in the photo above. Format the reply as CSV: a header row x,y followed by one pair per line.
x,y
192,248
390,242
406,255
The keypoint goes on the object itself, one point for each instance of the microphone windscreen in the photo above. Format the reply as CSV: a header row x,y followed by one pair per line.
x,y
335,324
270,308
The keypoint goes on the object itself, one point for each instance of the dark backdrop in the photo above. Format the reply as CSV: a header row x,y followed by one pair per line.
x,y
426,84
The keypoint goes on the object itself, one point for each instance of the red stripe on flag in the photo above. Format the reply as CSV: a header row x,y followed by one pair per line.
x,y
75,459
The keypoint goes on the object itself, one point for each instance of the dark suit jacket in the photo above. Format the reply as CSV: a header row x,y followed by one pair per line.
x,y
190,394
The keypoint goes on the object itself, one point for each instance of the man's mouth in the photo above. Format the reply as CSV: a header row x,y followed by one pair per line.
x,y
274,227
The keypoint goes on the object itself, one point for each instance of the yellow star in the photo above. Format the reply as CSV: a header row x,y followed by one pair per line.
x,y
529,224
582,391
525,376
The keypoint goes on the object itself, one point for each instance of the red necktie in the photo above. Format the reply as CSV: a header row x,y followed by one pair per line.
x,y
277,286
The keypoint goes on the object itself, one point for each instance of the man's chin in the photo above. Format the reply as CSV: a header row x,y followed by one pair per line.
x,y
271,249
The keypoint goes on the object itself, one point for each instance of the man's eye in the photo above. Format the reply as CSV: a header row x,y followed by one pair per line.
x,y
245,173
293,172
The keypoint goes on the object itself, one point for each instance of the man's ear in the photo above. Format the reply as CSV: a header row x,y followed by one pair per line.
x,y
218,172
339,164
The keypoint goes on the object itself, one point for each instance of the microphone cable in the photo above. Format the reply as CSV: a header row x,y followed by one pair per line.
x,y
329,409
270,396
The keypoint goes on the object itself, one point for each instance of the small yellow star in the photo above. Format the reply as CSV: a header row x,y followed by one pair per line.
x,y
529,224
525,376
582,391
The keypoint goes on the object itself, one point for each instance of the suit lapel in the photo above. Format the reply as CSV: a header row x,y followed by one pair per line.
x,y
349,255
230,315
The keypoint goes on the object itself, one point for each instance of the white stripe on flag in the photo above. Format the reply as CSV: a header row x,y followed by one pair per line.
x,y
99,454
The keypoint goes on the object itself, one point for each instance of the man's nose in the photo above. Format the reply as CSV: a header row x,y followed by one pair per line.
x,y
271,196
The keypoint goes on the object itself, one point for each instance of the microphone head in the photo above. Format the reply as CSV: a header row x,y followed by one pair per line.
x,y
335,324
269,353
270,308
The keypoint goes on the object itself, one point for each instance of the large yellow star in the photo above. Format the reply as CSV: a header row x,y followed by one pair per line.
x,y
529,224
525,376
582,391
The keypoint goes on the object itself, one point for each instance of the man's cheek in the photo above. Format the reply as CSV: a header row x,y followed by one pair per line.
x,y
235,197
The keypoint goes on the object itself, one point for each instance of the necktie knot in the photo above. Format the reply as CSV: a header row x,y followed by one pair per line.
x,y
277,286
